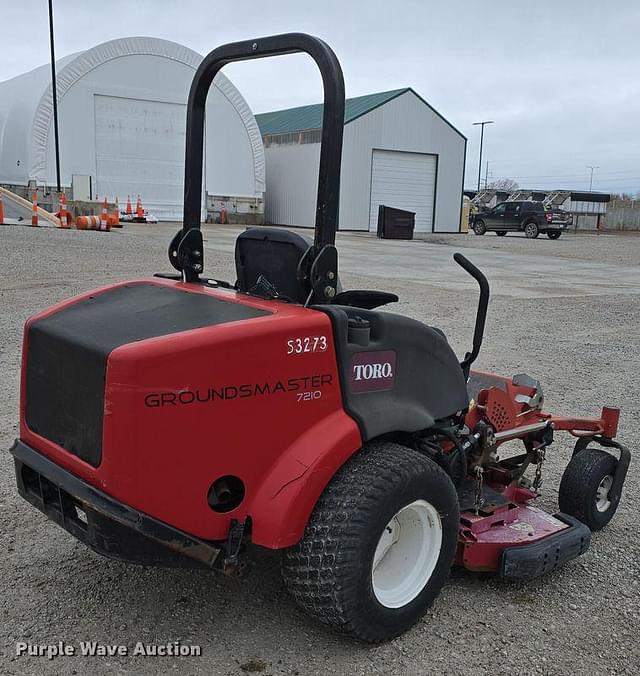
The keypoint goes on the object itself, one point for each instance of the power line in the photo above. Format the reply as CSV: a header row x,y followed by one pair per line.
x,y
582,173
580,177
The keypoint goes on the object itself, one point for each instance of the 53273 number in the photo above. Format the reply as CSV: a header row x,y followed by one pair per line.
x,y
307,344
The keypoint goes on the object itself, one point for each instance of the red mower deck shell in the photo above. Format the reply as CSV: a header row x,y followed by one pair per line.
x,y
283,447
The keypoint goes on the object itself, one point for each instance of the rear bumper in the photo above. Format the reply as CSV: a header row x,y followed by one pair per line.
x,y
107,526
543,556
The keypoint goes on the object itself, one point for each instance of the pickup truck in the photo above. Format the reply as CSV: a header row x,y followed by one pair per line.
x,y
524,216
561,220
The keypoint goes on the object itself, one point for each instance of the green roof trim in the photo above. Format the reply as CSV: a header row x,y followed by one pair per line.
x,y
305,118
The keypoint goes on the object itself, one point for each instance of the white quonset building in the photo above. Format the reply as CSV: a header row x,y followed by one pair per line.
x,y
121,110
397,151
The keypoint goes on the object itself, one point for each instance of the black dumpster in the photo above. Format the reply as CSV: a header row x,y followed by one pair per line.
x,y
395,223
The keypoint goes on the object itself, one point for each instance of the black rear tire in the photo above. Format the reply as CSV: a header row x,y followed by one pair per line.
x,y
554,234
531,230
501,233
582,489
330,572
479,228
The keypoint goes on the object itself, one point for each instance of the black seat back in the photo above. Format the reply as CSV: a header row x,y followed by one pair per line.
x,y
272,254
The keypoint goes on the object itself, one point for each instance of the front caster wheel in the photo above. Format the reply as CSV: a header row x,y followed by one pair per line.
x,y
378,546
585,488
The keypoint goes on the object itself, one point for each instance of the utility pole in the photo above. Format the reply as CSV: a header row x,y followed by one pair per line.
x,y
54,93
481,142
591,178
486,174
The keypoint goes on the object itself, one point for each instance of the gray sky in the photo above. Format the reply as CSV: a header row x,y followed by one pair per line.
x,y
561,79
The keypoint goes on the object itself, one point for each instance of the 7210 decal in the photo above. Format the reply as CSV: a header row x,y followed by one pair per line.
x,y
307,344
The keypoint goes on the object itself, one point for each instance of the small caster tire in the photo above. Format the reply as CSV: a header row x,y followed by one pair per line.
x,y
585,488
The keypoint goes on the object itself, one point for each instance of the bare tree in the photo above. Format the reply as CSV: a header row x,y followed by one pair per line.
x,y
623,196
507,184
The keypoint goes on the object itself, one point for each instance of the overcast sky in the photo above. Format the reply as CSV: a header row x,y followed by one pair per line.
x,y
560,78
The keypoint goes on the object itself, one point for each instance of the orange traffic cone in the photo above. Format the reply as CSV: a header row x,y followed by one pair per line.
x,y
67,213
62,214
104,221
139,209
129,209
34,210
1,211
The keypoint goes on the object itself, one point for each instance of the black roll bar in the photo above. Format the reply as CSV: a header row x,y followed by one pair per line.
x,y
330,149
481,315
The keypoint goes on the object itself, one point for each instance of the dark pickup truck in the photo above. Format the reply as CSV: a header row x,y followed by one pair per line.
x,y
525,216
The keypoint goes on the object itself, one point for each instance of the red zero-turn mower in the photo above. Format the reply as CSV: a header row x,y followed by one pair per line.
x,y
178,419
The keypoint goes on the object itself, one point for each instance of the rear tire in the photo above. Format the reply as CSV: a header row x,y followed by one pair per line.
x,y
531,230
378,546
554,234
501,233
585,486
479,228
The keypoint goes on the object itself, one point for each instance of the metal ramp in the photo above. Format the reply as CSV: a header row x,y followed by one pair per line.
x,y
17,211
556,198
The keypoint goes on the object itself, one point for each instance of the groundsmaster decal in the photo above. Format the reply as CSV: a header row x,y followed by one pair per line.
x,y
373,371
207,395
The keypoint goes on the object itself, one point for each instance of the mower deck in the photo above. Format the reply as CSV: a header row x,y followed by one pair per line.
x,y
515,539
519,541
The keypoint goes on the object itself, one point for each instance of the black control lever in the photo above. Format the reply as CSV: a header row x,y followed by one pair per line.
x,y
481,316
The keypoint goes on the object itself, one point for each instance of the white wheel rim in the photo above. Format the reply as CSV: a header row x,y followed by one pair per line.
x,y
406,554
602,494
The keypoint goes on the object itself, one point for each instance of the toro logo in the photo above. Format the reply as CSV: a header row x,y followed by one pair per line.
x,y
373,371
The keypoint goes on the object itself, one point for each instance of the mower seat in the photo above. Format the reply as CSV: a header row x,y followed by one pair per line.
x,y
267,261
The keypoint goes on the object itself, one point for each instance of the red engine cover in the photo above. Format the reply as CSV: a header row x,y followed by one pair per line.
x,y
259,399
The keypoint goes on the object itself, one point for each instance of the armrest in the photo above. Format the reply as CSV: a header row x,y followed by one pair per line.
x,y
365,299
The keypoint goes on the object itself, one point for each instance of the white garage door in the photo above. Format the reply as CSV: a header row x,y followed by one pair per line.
x,y
404,181
140,150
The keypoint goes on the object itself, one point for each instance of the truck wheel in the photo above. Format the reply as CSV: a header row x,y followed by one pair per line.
x,y
554,234
479,228
531,230
378,546
501,233
585,488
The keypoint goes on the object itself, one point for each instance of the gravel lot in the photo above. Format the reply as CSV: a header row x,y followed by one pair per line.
x,y
566,312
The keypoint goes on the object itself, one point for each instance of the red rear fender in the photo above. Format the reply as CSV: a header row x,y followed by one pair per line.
x,y
284,503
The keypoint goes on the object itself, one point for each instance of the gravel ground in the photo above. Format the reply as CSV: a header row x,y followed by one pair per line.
x,y
583,619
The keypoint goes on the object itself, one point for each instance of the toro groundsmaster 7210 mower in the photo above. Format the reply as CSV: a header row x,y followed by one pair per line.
x,y
179,419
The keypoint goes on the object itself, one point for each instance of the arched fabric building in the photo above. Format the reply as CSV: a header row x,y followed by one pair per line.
x,y
121,110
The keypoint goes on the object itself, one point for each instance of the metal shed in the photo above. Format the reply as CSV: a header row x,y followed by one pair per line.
x,y
397,151
122,107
